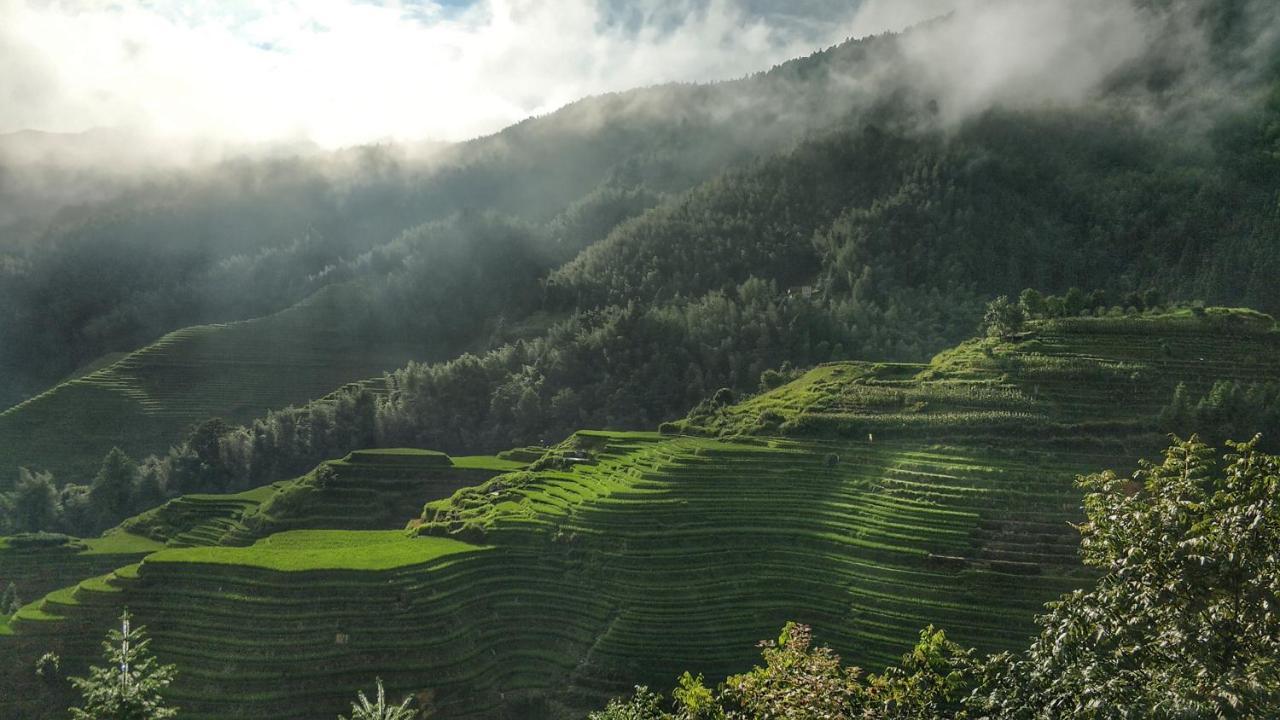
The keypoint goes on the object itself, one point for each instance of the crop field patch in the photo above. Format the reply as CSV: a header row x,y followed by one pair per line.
x,y
889,497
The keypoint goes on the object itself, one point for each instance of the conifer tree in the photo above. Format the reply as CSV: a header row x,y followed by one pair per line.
x,y
111,493
129,687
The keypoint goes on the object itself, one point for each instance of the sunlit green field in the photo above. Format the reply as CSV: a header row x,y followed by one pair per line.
x,y
868,500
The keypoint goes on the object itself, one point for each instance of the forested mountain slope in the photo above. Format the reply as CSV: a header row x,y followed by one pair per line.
x,y
868,499
248,237
626,299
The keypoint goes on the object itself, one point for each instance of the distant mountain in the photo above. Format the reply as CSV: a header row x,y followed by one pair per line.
x,y
827,194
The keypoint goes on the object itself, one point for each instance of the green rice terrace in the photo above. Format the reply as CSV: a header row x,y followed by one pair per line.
x,y
145,401
867,500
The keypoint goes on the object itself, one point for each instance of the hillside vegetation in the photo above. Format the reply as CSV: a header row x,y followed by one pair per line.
x,y
249,237
867,500
639,251
150,399
321,418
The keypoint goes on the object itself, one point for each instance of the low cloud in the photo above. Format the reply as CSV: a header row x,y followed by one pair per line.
x,y
343,72
1023,52
169,82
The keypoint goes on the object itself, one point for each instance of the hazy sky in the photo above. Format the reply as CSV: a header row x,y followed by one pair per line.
x,y
341,72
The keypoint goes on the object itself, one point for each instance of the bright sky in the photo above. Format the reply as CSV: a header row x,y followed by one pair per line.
x,y
342,72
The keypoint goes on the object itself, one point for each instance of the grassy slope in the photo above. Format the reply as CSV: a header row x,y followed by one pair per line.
x,y
36,572
868,500
302,550
145,402
367,490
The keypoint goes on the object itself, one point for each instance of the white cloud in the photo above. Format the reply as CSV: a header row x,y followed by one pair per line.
x,y
340,72
1024,52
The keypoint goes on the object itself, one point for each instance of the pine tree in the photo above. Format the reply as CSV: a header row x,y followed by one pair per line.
x,y
365,710
129,687
112,490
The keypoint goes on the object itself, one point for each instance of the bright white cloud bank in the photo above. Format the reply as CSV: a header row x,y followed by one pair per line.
x,y
341,72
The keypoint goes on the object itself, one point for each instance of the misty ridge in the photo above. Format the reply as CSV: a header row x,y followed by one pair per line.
x,y
161,233
974,55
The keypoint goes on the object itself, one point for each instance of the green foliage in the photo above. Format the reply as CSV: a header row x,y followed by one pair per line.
x,y
112,490
869,238
1229,408
379,709
772,379
130,687
1183,622
930,682
46,541
964,524
642,705
9,601
34,502
1003,319
796,681
693,700
49,667
1032,303
304,550
800,682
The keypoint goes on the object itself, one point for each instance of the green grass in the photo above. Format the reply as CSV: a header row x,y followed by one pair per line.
x,y
1069,376
98,364
257,494
119,542
302,550
487,462
146,401
402,453
37,572
646,554
367,490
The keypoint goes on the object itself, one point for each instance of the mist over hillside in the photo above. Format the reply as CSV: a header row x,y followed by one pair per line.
x,y
200,223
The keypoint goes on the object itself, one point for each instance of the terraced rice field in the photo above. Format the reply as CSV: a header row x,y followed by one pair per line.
x,y
658,555
147,400
35,572
366,490
887,498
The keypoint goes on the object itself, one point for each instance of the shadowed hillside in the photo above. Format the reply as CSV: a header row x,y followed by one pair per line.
x,y
148,400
